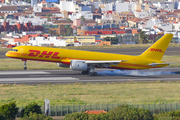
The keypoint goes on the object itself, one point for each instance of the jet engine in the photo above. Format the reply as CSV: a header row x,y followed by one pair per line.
x,y
62,65
78,65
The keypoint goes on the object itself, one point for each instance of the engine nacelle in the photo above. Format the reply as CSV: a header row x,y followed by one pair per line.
x,y
62,65
78,65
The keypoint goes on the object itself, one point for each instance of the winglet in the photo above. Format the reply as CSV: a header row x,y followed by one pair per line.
x,y
157,50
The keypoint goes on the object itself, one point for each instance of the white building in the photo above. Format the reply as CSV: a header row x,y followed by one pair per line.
x,y
176,26
122,7
72,6
86,14
34,19
37,8
154,22
96,4
109,7
31,32
41,41
164,5
141,14
67,6
33,2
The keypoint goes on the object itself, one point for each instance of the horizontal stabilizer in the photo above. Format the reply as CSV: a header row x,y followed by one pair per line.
x,y
155,64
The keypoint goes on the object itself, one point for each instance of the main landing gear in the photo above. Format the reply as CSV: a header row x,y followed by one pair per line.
x,y
91,72
85,72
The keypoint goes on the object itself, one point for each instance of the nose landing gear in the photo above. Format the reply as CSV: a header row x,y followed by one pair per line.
x,y
25,68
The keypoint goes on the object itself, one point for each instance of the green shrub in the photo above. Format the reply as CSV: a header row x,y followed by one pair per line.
x,y
164,116
2,117
123,112
9,111
32,107
76,116
101,116
174,113
35,116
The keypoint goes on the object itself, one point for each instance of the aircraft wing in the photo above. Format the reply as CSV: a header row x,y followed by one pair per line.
x,y
104,63
155,64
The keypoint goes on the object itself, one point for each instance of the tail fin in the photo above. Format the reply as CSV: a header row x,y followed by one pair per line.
x,y
157,50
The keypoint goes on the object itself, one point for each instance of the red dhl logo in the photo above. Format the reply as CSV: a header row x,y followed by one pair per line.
x,y
156,50
45,54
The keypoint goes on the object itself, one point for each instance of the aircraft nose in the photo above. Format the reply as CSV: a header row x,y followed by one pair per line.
x,y
7,54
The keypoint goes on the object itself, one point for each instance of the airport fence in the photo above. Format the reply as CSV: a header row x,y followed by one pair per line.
x,y
61,110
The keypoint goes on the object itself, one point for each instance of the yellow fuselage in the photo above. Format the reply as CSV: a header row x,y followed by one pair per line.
x,y
66,55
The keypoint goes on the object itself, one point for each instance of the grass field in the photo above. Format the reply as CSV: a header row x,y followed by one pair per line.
x,y
91,93
15,64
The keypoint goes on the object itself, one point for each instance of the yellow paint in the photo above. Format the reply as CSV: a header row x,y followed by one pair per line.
x,y
152,55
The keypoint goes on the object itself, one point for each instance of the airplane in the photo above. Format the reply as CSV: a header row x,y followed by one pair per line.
x,y
87,61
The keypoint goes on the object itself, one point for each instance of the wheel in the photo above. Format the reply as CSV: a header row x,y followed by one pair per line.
x,y
25,68
91,74
87,72
83,72
95,73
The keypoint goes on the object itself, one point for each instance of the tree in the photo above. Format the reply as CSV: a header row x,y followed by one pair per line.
x,y
124,112
48,18
35,116
9,111
69,31
114,40
51,32
82,18
79,27
68,20
143,38
32,107
107,39
157,37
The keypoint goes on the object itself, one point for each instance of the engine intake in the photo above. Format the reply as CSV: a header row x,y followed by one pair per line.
x,y
78,65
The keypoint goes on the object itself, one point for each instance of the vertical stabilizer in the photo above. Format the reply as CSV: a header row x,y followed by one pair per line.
x,y
157,50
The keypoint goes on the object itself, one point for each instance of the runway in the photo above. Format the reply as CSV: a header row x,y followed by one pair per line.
x,y
68,76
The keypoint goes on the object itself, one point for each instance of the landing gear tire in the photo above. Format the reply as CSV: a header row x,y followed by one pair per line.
x,y
25,68
85,72
93,73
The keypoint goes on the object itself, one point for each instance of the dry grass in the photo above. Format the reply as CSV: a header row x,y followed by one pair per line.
x,y
91,93
173,60
15,64
4,49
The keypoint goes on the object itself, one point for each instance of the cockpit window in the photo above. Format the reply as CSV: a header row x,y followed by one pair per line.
x,y
15,50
